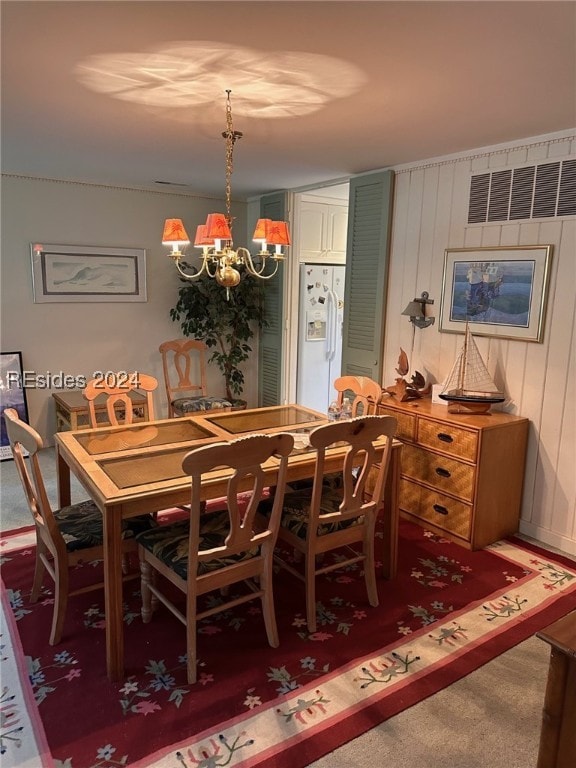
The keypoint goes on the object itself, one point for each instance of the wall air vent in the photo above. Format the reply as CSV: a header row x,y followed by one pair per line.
x,y
532,192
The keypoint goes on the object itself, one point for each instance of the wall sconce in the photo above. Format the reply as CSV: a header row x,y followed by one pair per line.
x,y
417,312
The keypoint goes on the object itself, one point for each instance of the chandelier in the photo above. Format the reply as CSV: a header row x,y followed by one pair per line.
x,y
220,259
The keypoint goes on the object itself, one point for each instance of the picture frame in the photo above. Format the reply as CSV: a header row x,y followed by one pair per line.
x,y
499,291
12,395
80,273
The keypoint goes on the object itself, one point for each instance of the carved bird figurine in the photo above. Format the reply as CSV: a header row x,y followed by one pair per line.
x,y
411,390
417,386
403,366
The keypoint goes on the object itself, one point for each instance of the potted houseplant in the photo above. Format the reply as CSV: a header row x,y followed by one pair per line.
x,y
224,324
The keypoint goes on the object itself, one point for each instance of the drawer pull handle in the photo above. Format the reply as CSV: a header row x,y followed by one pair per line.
x,y
444,437
442,472
440,509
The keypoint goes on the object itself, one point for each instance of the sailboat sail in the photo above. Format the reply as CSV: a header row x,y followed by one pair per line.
x,y
469,376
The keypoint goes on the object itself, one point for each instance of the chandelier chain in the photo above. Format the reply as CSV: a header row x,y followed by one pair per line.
x,y
231,137
229,156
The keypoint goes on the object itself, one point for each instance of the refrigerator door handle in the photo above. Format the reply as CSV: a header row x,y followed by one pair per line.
x,y
329,323
333,333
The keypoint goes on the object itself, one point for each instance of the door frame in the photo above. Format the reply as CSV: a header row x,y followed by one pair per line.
x,y
292,287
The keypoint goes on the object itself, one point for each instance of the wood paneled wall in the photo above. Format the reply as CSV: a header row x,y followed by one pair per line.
x,y
430,214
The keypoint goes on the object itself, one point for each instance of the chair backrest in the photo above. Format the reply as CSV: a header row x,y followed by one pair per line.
x,y
118,400
23,438
357,438
366,393
181,358
245,457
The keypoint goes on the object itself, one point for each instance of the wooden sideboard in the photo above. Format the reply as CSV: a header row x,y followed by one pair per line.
x,y
72,410
558,733
461,474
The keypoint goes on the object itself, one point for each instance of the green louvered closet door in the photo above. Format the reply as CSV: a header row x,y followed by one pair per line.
x,y
272,338
367,258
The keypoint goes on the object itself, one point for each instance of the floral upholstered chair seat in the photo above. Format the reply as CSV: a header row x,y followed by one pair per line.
x,y
81,525
170,543
296,511
184,405
332,481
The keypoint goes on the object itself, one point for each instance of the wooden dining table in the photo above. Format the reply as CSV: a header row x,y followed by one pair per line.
x,y
137,469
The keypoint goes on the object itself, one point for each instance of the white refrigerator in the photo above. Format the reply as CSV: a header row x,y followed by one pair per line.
x,y
319,334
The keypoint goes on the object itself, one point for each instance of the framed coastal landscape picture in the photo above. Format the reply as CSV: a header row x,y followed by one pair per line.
x,y
80,273
499,292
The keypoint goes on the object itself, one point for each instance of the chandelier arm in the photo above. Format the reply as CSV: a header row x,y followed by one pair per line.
x,y
249,264
215,261
186,275
199,273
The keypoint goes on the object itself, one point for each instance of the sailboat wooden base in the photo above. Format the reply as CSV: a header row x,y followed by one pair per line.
x,y
460,406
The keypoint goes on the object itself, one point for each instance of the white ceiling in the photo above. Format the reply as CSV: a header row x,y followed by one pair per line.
x,y
133,92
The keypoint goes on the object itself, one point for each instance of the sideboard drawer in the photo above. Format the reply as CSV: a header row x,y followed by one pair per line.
x,y
443,511
447,475
406,429
445,437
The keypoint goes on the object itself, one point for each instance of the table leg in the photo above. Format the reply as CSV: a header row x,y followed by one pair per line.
x,y
391,515
63,481
113,593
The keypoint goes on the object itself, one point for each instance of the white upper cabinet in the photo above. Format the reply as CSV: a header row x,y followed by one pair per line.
x,y
323,231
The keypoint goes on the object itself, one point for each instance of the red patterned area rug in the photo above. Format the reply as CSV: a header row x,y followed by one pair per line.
x,y
448,612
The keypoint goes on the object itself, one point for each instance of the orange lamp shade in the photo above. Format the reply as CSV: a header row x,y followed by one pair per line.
x,y
278,234
174,232
261,230
217,227
202,238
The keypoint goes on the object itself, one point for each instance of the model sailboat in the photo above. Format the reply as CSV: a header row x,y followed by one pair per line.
x,y
469,387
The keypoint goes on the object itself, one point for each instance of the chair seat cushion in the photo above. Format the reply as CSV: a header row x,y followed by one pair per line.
x,y
332,481
169,543
81,525
191,404
296,512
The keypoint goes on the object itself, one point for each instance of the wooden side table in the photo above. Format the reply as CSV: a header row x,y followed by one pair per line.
x,y
72,410
558,733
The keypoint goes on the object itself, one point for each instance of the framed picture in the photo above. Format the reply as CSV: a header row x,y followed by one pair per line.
x,y
78,273
12,395
500,292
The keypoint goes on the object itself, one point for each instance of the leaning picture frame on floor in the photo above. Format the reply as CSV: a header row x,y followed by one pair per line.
x,y
12,395
83,273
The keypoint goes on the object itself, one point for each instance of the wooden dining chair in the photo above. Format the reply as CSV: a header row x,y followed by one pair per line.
x,y
65,537
364,393
212,551
116,389
187,393
339,517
